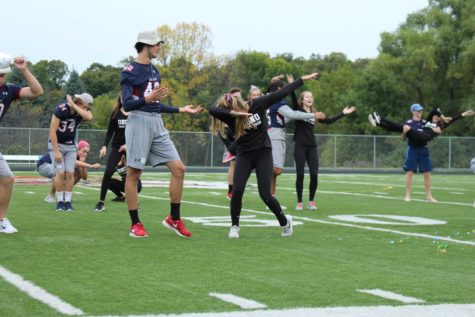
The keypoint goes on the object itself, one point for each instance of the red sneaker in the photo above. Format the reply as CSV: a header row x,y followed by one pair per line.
x,y
177,226
138,231
229,196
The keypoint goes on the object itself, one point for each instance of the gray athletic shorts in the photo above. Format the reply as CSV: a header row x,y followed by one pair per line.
x,y
5,170
69,152
148,140
277,138
46,170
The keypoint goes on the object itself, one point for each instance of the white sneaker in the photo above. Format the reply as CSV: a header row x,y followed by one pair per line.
x,y
371,120
377,118
299,206
234,232
287,230
6,226
50,199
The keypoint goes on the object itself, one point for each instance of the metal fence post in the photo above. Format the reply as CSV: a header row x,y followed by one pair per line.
x,y
374,151
334,151
450,152
212,149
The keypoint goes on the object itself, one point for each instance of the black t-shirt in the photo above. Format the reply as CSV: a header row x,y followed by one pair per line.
x,y
116,130
256,136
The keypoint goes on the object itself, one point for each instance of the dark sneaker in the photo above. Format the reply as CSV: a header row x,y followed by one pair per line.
x,y
100,206
68,206
60,206
119,199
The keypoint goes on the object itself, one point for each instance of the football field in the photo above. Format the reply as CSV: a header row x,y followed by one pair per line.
x,y
364,252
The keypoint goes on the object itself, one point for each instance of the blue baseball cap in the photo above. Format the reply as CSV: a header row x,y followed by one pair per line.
x,y
416,107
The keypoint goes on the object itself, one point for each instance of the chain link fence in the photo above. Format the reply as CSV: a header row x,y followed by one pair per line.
x,y
336,152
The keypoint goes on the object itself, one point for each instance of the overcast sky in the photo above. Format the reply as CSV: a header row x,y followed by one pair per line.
x,y
82,32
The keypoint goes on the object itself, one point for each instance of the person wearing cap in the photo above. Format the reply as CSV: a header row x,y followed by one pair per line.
x,y
145,135
417,153
8,93
62,144
45,168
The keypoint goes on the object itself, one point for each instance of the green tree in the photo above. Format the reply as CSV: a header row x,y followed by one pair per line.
x,y
101,79
74,85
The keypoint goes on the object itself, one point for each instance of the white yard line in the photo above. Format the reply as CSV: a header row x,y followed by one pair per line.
x,y
38,293
412,234
238,301
392,295
442,310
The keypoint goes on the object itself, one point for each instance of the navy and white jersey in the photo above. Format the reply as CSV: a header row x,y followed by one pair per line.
x,y
416,125
68,124
8,93
138,81
276,120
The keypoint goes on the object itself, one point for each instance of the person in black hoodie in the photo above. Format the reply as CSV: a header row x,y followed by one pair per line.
x,y
248,120
116,133
306,146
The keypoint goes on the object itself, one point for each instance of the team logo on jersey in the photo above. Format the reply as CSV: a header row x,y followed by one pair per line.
x,y
254,121
63,107
128,68
122,123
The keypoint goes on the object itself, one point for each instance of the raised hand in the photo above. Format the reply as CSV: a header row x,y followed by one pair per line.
x,y
311,76
319,115
20,62
189,109
348,110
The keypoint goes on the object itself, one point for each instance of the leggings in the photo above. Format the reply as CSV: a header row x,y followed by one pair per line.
x,y
306,153
418,138
118,186
112,161
261,160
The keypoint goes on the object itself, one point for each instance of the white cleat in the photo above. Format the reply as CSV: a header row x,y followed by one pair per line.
x,y
234,232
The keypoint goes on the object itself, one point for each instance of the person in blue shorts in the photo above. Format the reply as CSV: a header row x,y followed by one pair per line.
x,y
8,93
417,156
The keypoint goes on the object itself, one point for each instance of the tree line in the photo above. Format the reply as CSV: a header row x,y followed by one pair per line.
x,y
429,59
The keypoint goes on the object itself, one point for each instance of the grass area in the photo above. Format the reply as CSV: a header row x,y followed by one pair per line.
x,y
87,259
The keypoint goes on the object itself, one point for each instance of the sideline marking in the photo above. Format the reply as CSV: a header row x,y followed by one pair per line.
x,y
419,235
391,295
441,310
38,293
238,301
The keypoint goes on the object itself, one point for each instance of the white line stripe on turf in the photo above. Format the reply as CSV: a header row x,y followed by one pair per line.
x,y
238,301
391,295
38,293
412,234
441,310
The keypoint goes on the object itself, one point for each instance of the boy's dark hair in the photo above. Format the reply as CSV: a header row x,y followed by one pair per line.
x,y
275,85
139,46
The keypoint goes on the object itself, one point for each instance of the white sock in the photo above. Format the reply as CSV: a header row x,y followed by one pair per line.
x,y
59,196
67,196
